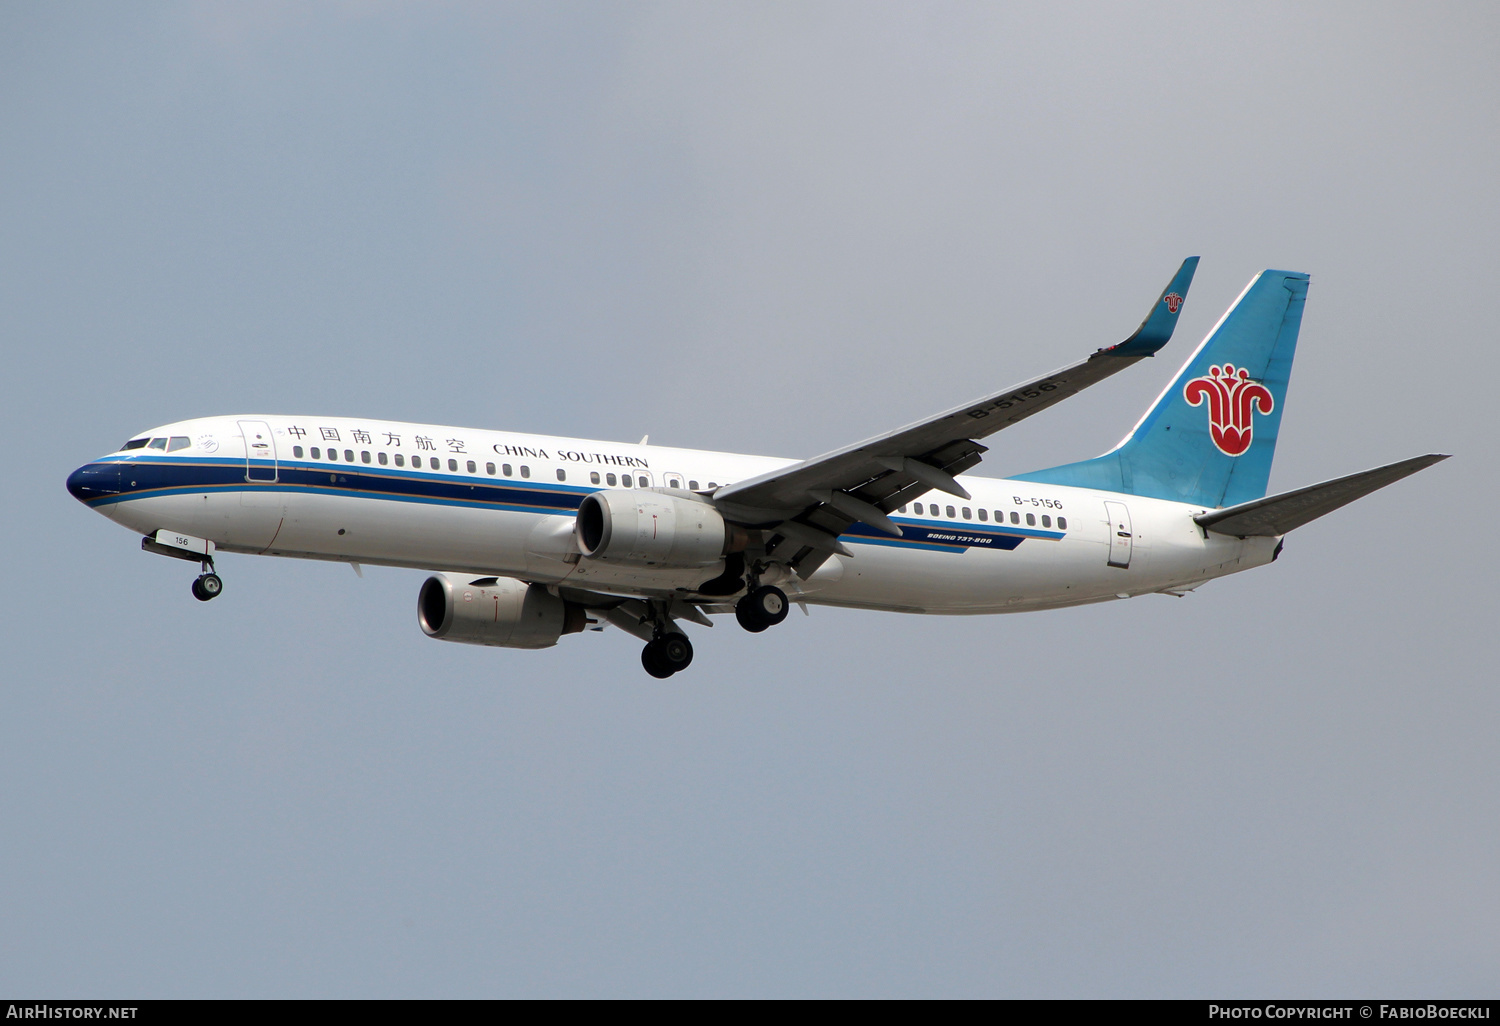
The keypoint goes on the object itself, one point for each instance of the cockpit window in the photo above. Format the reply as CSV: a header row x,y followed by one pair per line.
x,y
157,443
178,442
134,443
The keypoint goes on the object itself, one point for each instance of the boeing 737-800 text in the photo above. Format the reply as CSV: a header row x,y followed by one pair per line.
x,y
533,537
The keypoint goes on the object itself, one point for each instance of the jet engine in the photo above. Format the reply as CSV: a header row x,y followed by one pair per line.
x,y
494,611
654,529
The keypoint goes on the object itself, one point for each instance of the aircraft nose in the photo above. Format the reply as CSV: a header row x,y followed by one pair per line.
x,y
93,480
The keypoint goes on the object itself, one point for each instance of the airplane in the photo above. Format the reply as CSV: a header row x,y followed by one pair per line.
x,y
532,537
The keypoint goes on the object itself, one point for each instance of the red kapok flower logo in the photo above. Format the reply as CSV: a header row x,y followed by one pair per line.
x,y
1173,301
1232,401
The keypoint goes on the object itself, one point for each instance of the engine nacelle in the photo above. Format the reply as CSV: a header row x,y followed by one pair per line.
x,y
656,529
495,611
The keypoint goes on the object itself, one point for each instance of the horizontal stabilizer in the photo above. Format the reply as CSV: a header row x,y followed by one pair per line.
x,y
1278,514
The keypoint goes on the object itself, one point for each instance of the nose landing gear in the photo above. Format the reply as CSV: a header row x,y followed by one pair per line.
x,y
194,550
208,585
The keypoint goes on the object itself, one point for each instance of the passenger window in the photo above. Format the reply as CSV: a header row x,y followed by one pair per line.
x,y
1046,520
297,452
712,485
333,454
157,443
593,477
134,443
525,471
348,455
693,485
625,480
999,517
489,468
364,456
643,482
673,482
1031,520
901,510
968,515
505,469
178,442
400,460
382,458
611,479
984,514
472,468
1015,517
562,475
317,453
1062,523
452,464
950,513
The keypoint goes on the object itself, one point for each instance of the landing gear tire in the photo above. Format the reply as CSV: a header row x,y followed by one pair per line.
x,y
207,586
667,655
764,607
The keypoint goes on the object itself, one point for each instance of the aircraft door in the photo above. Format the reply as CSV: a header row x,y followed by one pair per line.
x,y
260,451
1121,538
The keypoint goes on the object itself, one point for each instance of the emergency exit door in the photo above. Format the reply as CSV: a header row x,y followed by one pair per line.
x,y
1120,535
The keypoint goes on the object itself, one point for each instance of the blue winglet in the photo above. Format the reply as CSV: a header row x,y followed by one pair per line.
x,y
1156,330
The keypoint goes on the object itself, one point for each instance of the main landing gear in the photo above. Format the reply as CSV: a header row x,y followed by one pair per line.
x,y
667,654
667,650
764,606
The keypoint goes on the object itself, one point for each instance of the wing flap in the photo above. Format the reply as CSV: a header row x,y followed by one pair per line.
x,y
1278,514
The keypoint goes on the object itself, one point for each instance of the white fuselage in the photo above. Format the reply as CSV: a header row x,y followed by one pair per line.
x,y
502,503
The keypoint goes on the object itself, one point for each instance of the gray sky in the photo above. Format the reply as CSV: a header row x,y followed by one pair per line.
x,y
771,228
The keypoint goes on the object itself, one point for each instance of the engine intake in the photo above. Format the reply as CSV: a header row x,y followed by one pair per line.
x,y
651,528
495,611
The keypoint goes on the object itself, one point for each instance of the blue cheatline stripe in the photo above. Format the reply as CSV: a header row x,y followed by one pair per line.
x,y
144,478
149,477
969,528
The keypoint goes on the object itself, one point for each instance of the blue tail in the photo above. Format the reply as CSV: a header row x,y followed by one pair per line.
x,y
1209,438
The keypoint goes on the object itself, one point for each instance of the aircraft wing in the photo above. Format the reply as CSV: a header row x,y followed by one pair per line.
x,y
864,481
1278,514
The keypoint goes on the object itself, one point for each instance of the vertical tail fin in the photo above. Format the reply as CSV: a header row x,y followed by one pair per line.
x,y
1209,438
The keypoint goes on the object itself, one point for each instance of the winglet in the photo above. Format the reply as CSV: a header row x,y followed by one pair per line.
x,y
1156,330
